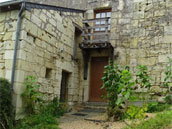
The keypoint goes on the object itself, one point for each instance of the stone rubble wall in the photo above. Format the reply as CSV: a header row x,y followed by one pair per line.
x,y
141,34
46,41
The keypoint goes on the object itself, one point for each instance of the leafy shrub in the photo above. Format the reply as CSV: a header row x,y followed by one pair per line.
x,y
168,99
160,121
55,108
135,112
32,97
45,118
6,108
152,107
38,121
168,73
118,84
143,78
40,114
156,107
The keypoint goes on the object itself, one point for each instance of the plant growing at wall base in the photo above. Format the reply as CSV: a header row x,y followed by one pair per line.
x,y
38,121
55,108
134,112
118,84
160,121
168,75
168,99
6,108
32,97
143,78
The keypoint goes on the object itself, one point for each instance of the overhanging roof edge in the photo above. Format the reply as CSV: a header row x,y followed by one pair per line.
x,y
41,6
8,3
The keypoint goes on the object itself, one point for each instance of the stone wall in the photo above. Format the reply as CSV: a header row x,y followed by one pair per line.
x,y
45,50
8,21
141,34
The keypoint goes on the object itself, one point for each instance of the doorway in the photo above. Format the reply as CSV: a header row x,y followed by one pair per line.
x,y
64,87
96,74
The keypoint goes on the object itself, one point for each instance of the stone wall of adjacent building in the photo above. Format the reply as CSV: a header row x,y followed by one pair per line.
x,y
45,50
8,21
141,34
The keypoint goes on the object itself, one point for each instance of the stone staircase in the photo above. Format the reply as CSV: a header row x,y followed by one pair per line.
x,y
97,107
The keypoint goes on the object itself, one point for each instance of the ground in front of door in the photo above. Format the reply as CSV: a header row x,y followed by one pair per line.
x,y
88,120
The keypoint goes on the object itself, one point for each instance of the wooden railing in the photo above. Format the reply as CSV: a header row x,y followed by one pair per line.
x,y
93,32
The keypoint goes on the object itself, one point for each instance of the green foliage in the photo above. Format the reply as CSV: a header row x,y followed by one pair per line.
x,y
55,108
152,107
41,115
111,81
143,79
38,121
156,107
160,121
168,73
32,97
117,82
125,87
135,112
168,99
6,108
45,118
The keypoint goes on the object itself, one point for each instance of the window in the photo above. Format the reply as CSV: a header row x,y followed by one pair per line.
x,y
48,73
102,14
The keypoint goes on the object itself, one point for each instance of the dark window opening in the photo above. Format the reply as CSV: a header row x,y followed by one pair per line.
x,y
78,33
48,73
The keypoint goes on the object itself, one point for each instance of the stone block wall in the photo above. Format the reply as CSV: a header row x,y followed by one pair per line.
x,y
8,21
45,50
141,34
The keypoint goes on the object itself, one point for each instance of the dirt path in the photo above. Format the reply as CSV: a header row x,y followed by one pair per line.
x,y
89,121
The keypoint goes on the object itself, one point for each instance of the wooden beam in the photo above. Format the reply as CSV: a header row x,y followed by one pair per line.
x,y
95,20
97,33
96,41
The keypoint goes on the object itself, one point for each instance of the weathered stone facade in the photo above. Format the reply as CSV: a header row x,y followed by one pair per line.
x,y
46,42
141,33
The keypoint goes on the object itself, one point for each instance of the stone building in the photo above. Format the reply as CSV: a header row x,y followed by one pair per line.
x,y
66,44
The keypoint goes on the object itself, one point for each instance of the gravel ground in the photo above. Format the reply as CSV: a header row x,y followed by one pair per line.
x,y
90,121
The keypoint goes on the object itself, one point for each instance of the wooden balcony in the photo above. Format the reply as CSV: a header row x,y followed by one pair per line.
x,y
95,33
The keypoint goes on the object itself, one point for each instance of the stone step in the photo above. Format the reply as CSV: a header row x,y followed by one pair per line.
x,y
94,107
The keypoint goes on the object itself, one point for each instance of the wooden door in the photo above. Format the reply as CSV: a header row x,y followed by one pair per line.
x,y
97,69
